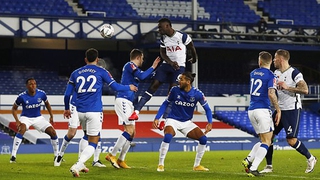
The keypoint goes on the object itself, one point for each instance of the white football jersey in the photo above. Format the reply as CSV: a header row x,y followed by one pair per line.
x,y
288,100
176,46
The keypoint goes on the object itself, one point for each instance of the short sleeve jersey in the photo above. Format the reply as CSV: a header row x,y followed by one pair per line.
x,y
88,82
176,46
288,100
184,103
261,80
31,104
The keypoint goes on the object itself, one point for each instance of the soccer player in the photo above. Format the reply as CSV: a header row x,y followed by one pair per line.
x,y
184,99
262,93
88,82
72,130
173,49
131,74
290,85
31,100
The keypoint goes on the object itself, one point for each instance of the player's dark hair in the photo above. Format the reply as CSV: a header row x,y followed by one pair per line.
x,y
135,53
92,54
284,53
162,20
27,81
189,75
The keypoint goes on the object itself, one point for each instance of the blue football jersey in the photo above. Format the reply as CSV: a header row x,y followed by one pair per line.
x,y
184,103
31,104
261,80
131,74
88,83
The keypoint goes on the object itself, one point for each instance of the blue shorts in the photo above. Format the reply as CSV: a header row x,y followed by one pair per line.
x,y
166,74
290,120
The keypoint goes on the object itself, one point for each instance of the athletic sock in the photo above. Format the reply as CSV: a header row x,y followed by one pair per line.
x,y
269,155
124,151
260,154
301,148
87,152
200,152
164,147
97,152
55,145
144,99
16,144
64,145
253,152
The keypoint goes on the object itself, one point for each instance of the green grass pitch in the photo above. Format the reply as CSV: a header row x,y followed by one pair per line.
x,y
287,164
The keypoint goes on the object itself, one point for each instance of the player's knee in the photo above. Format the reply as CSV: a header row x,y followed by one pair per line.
x,y
51,132
203,140
22,129
167,138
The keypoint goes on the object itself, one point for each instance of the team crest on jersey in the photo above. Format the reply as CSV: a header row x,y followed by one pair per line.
x,y
27,102
39,100
192,99
133,67
110,75
178,97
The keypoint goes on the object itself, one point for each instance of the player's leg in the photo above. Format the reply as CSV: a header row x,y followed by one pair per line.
x,y
169,133
96,156
291,126
65,142
268,168
83,143
24,126
124,109
263,125
260,153
72,130
41,124
160,77
145,98
54,139
194,132
94,125
125,145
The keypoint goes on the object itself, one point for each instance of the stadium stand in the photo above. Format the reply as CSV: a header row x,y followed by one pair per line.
x,y
292,12
37,7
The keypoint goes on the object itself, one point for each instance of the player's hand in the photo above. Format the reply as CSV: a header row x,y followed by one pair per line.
x,y
51,120
277,118
18,123
282,85
191,60
156,62
175,65
133,88
155,124
208,128
67,114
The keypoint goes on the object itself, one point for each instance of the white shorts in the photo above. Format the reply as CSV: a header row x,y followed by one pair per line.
x,y
74,120
261,120
183,127
124,108
91,122
39,123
